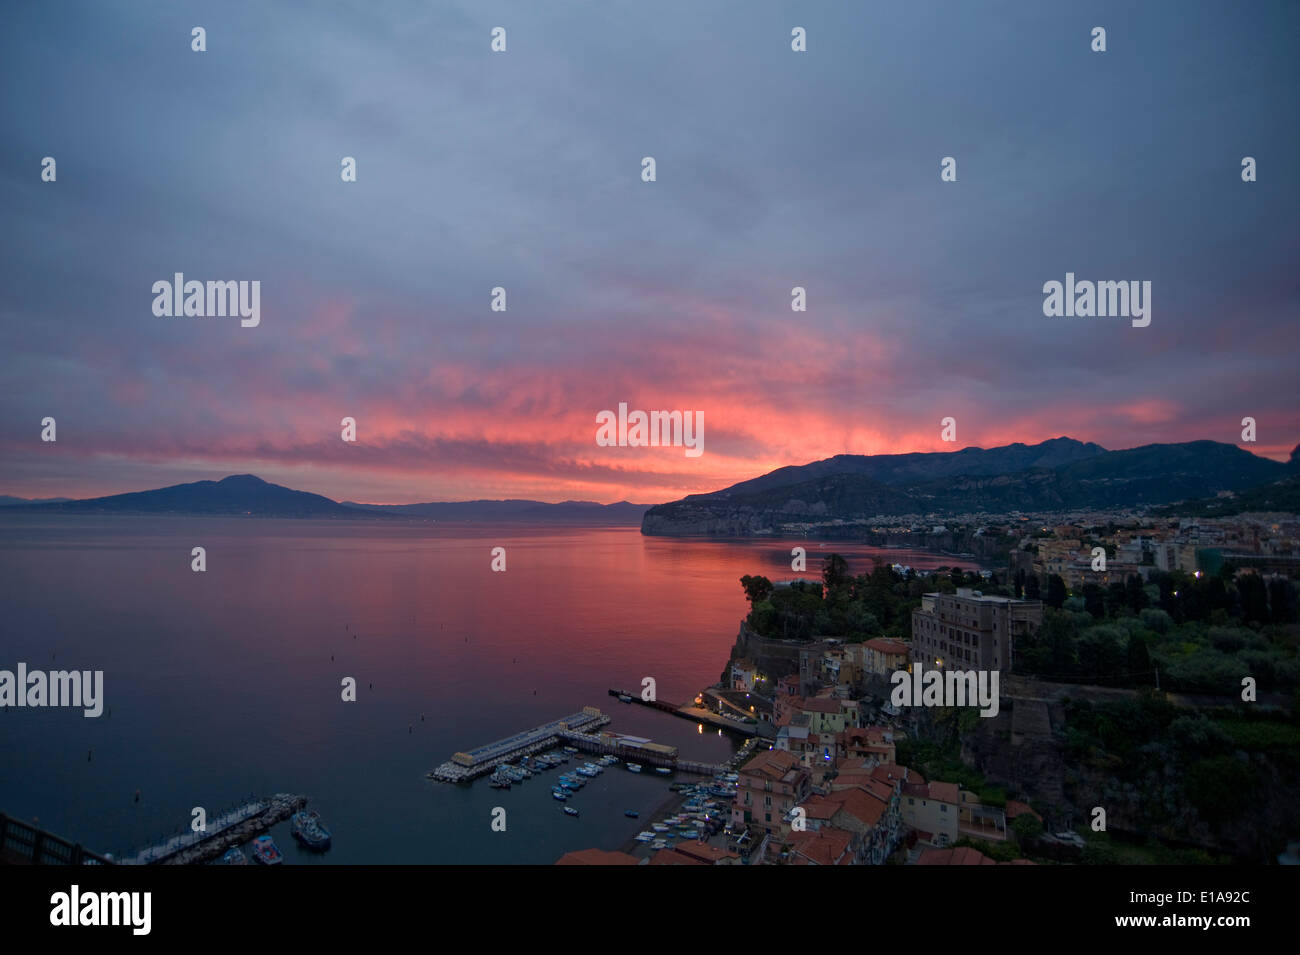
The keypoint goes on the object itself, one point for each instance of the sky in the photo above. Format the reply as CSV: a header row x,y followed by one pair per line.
x,y
523,169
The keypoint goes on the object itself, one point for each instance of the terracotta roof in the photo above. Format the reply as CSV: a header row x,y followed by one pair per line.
x,y
963,856
673,857
892,773
821,704
597,857
886,645
824,847
1015,809
772,764
862,805
945,792
709,855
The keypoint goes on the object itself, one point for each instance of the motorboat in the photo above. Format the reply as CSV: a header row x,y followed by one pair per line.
x,y
266,851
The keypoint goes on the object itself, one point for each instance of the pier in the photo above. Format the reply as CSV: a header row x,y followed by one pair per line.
x,y
466,766
230,829
689,711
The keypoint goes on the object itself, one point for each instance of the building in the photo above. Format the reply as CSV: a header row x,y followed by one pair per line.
x,y
969,631
885,656
744,674
934,810
770,785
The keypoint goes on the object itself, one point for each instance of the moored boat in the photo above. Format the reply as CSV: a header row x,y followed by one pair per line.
x,y
570,811
634,767
310,831
631,813
266,851
234,856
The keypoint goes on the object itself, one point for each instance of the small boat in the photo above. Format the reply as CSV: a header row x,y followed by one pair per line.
x,y
659,844
561,796
631,813
624,698
234,856
644,836
659,827
570,811
584,771
634,767
570,749
498,783
663,770
266,852
308,829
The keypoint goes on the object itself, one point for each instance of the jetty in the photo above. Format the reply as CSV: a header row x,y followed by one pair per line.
x,y
689,711
468,765
231,828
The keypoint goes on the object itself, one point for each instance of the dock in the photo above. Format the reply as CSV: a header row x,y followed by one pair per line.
x,y
229,829
689,711
468,765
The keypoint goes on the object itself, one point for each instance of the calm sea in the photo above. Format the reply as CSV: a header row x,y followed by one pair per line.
x,y
226,683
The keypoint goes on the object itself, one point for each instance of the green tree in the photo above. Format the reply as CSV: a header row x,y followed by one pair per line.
x,y
757,589
1055,591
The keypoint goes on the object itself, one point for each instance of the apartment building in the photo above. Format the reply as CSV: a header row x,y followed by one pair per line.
x,y
969,631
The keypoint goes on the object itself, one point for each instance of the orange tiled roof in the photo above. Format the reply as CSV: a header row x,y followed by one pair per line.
x,y
597,857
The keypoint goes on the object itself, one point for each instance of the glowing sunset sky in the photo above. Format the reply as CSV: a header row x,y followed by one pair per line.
x,y
522,170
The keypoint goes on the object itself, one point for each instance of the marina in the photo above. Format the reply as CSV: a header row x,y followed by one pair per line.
x,y
515,759
468,765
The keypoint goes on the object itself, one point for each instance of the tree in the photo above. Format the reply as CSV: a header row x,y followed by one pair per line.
x,y
1055,591
835,573
1139,659
1020,583
1135,593
1094,601
757,589
1033,590
1027,827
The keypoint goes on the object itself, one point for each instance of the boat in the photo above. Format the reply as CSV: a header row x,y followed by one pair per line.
x,y
308,829
570,811
561,796
644,836
584,771
624,698
663,770
659,844
594,767
659,827
570,749
631,813
634,767
234,856
266,852
499,782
